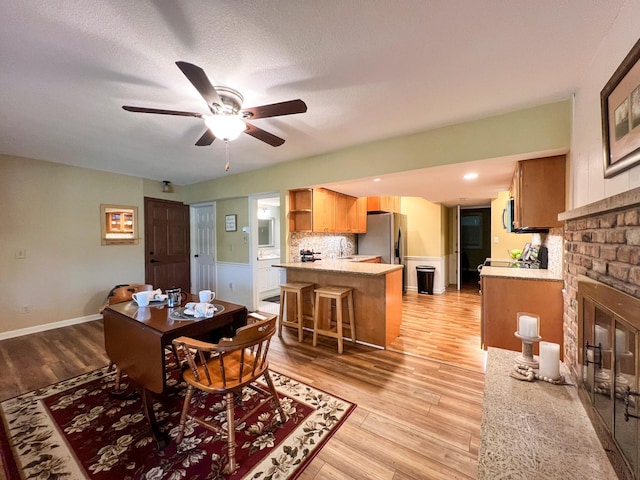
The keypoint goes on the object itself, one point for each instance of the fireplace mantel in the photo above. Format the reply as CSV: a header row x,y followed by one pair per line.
x,y
615,202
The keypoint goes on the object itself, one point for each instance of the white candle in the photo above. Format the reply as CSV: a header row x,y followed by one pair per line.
x,y
621,341
549,360
602,337
528,326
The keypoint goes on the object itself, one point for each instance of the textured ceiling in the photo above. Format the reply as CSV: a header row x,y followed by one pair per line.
x,y
366,69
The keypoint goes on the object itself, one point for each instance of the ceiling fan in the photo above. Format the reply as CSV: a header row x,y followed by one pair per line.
x,y
227,119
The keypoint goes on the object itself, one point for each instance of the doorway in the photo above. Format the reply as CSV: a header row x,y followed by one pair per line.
x,y
475,242
265,251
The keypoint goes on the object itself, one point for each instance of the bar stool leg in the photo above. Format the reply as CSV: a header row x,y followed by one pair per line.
x,y
339,322
316,316
352,317
281,316
300,316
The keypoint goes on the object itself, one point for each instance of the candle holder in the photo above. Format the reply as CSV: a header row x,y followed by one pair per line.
x,y
527,357
529,332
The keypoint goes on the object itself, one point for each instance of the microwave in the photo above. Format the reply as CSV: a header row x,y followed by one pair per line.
x,y
507,216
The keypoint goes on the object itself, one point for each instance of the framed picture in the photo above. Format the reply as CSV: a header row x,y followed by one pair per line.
x,y
230,223
119,224
620,105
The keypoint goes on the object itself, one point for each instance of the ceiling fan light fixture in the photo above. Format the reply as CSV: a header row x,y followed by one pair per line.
x,y
225,127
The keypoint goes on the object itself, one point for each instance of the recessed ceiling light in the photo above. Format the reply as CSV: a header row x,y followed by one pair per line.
x,y
470,176
376,179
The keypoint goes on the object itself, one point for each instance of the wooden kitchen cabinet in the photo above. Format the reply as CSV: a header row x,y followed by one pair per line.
x,y
538,190
361,214
504,297
324,211
301,210
383,204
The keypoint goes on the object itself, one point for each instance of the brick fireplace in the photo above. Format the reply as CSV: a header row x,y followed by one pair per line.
x,y
602,242
602,320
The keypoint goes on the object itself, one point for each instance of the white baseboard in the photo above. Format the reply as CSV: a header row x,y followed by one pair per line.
x,y
49,326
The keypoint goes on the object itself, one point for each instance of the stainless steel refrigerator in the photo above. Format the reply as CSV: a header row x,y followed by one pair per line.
x,y
386,236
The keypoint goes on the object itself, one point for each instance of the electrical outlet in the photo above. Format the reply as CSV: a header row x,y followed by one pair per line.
x,y
21,253
25,309
230,285
496,239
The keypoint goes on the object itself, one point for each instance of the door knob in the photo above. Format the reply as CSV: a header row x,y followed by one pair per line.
x,y
153,260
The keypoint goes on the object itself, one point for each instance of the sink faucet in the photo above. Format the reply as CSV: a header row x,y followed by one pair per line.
x,y
343,246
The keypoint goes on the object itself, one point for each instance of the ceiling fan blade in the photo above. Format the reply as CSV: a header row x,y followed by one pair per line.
x,y
207,138
162,112
263,135
275,109
199,79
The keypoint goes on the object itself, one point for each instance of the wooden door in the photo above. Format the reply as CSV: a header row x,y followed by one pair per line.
x,y
166,244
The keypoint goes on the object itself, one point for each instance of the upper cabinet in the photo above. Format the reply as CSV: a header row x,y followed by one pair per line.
x,y
383,204
324,211
300,210
538,190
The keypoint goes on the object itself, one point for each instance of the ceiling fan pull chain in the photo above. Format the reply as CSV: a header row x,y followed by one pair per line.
x,y
226,150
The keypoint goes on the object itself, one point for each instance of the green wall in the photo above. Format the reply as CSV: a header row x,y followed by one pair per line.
x,y
232,246
538,129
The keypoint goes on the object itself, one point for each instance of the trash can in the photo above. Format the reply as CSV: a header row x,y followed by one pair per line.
x,y
425,278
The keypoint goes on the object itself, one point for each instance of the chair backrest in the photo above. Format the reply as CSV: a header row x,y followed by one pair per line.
x,y
123,293
233,361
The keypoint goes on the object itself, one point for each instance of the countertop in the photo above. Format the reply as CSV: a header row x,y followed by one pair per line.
x,y
349,266
522,273
535,430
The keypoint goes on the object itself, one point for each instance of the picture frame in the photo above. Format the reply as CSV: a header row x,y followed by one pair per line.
x,y
620,110
230,223
118,224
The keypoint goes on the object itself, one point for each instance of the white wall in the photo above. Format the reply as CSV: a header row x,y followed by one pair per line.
x,y
586,159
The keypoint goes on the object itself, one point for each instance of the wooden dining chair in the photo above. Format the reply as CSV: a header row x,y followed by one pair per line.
x,y
226,368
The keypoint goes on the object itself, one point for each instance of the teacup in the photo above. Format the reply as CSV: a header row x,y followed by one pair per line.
x,y
143,298
206,296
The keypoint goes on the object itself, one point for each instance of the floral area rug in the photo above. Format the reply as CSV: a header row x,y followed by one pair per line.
x,y
76,430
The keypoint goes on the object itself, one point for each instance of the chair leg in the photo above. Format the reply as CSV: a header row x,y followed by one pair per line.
x,y
117,379
274,393
232,466
185,412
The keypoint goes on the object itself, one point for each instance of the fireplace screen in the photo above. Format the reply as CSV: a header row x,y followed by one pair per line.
x,y
609,324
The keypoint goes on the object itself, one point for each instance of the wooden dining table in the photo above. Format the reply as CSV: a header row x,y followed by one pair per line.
x,y
135,339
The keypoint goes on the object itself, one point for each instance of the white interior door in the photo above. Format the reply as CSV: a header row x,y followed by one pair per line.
x,y
203,240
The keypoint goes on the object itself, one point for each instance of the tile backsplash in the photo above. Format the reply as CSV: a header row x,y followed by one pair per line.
x,y
554,241
330,245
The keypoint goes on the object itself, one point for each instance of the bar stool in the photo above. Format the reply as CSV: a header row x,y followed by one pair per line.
x,y
337,294
296,289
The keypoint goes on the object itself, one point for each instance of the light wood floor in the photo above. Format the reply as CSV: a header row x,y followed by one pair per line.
x,y
416,418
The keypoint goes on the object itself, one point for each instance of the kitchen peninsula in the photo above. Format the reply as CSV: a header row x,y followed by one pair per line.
x,y
377,293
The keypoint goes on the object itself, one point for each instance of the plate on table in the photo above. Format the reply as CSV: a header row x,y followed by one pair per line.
x,y
186,314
